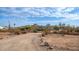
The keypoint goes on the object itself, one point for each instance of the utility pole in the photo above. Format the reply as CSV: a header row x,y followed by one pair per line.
x,y
9,25
14,25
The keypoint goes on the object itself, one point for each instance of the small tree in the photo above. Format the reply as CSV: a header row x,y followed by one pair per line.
x,y
55,27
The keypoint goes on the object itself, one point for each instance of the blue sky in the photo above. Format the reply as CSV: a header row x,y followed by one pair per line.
x,y
39,15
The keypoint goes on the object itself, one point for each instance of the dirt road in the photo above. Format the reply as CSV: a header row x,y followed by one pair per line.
x,y
23,42
31,42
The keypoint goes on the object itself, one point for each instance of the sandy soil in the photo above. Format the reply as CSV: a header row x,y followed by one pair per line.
x,y
21,42
31,42
67,42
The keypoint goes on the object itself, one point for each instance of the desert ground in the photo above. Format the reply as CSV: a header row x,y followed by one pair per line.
x,y
35,42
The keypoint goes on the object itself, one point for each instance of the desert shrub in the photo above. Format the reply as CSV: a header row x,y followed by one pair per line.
x,y
22,29
46,31
23,32
35,31
55,32
17,31
43,34
55,27
1,38
1,30
77,29
4,30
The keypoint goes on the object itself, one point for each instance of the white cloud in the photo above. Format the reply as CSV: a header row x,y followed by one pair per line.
x,y
64,12
41,12
65,9
68,9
